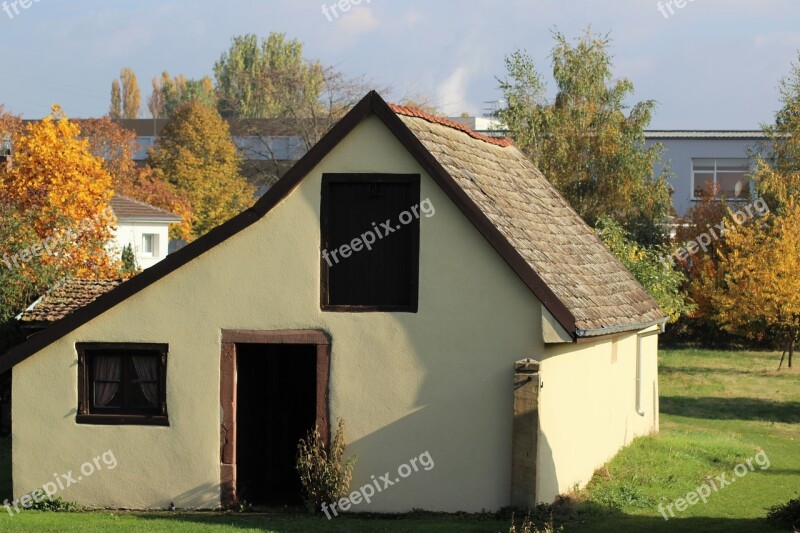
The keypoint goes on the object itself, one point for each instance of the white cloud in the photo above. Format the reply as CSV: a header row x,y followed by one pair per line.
x,y
358,21
412,17
451,94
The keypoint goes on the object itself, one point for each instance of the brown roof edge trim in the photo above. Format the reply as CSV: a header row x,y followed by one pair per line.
x,y
473,213
193,250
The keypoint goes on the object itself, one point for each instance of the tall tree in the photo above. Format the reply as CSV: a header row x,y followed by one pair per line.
x,y
115,109
262,78
131,95
155,104
587,142
777,172
169,93
196,155
57,177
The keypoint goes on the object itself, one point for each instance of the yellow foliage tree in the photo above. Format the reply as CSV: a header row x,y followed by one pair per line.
x,y
195,154
761,270
56,176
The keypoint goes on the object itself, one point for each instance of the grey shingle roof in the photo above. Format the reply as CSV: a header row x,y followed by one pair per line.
x,y
552,238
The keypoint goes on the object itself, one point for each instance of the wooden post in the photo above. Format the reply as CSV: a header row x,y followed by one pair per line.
x,y
525,434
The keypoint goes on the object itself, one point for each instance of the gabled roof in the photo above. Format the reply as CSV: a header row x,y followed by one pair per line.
x,y
555,254
64,298
587,289
130,210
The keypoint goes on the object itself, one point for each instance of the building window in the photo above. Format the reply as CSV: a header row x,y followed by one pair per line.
x,y
370,242
728,177
150,244
122,383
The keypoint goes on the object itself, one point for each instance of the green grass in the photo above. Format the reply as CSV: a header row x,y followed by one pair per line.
x,y
717,410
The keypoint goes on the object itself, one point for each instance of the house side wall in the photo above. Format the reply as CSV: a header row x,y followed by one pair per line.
x,y
679,154
587,407
438,381
130,232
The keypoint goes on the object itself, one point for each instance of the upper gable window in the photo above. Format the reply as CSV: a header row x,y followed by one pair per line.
x,y
120,383
370,242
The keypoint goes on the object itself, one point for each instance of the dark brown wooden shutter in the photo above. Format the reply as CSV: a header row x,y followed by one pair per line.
x,y
386,276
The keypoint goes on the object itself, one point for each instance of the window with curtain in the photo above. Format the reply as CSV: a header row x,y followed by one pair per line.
x,y
122,383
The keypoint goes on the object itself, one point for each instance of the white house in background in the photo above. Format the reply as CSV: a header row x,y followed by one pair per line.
x,y
144,227
698,157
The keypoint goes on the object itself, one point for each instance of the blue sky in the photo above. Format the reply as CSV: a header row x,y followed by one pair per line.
x,y
711,64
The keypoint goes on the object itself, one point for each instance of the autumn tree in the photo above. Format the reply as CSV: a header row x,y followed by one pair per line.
x,y
25,274
761,297
56,176
10,123
777,174
115,109
196,155
116,146
260,78
586,140
169,93
131,95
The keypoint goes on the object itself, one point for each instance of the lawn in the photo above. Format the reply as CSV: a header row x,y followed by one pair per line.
x,y
718,409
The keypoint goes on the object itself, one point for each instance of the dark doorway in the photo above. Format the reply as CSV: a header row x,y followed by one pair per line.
x,y
276,405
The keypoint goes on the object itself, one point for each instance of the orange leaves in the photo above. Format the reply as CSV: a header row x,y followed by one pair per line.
x,y
56,176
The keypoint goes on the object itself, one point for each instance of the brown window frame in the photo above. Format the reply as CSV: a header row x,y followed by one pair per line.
x,y
327,179
86,414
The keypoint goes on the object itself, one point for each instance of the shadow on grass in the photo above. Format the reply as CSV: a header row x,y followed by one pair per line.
x,y
692,371
731,409
606,521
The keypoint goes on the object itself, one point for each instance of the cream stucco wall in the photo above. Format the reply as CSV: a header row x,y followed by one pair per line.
x,y
587,407
436,381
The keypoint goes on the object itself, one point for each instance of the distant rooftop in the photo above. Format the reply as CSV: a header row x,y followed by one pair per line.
x,y
67,296
129,209
704,134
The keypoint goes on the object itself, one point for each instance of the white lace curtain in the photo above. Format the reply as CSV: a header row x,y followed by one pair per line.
x,y
107,372
147,370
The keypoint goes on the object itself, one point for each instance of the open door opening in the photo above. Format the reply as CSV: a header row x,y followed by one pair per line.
x,y
273,389
276,405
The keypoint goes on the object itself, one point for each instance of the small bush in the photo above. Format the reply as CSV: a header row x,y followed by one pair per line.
x,y
528,526
323,473
786,515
